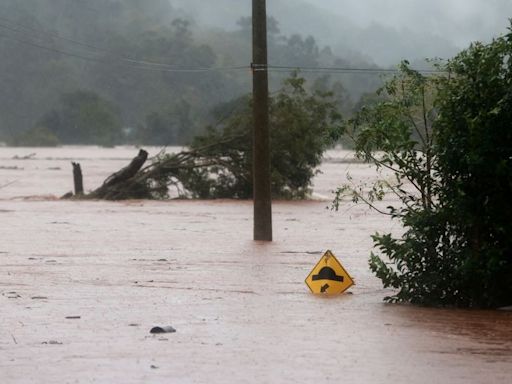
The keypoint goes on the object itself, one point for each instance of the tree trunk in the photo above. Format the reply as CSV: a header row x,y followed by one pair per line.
x,y
113,187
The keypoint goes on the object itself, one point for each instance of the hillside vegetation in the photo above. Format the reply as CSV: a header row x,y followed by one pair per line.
x,y
140,72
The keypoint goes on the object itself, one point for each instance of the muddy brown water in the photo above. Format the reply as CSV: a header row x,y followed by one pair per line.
x,y
82,284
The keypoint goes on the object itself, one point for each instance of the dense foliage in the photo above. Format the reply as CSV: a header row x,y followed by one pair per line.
x,y
396,133
132,55
83,118
448,145
302,124
474,147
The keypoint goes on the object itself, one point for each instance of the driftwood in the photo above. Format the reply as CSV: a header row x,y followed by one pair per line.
x,y
116,185
137,181
127,172
78,179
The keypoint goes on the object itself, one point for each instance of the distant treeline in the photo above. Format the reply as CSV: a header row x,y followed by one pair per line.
x,y
109,71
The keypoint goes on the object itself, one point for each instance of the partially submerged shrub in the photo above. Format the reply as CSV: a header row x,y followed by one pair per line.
x,y
449,138
302,126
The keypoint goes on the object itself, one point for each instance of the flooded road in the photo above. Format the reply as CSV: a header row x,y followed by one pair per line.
x,y
82,283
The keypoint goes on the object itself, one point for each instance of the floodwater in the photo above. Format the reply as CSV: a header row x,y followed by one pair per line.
x,y
83,282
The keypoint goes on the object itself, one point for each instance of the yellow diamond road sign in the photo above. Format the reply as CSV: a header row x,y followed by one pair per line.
x,y
329,277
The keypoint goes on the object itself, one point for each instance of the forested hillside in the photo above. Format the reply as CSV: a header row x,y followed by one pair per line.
x,y
111,71
347,29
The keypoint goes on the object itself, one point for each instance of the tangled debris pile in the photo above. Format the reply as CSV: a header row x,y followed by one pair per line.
x,y
136,181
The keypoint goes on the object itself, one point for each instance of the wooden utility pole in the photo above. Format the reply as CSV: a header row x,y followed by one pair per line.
x,y
261,141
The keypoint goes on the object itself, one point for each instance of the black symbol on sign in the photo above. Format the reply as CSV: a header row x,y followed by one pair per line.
x,y
324,288
327,273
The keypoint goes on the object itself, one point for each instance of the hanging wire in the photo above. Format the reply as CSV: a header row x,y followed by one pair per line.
x,y
156,66
138,64
283,68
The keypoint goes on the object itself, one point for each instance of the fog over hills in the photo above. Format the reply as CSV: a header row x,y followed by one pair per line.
x,y
384,30
128,56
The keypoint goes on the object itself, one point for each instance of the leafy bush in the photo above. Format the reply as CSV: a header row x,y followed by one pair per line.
x,y
396,134
83,117
36,137
450,139
474,146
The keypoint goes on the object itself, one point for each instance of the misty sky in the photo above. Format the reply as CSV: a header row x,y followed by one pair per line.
x,y
384,31
460,21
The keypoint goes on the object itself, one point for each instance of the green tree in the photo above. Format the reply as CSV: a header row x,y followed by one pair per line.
x,y
449,139
397,135
302,125
474,146
83,117
172,125
35,137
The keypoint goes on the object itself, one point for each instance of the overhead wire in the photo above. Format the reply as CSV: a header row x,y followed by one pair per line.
x,y
134,64
148,65
283,68
139,64
49,33
50,49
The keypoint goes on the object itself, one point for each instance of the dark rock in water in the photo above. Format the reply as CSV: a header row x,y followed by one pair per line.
x,y
164,329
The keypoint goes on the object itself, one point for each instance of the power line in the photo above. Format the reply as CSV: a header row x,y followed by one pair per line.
x,y
49,33
133,64
140,64
156,66
282,68
50,49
